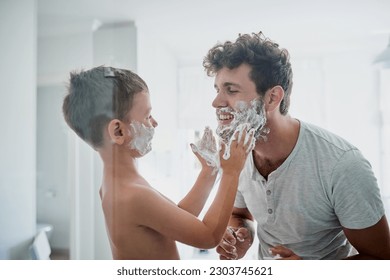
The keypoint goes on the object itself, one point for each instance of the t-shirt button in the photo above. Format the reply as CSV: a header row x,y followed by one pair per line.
x,y
268,192
270,211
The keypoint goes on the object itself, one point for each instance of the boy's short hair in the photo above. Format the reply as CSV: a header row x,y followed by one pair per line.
x,y
97,96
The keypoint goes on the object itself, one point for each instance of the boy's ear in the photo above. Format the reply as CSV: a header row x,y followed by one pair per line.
x,y
273,98
116,131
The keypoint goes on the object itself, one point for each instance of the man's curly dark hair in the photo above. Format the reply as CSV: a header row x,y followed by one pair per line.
x,y
270,64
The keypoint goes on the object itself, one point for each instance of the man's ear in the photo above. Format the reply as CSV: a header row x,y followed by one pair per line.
x,y
116,131
273,98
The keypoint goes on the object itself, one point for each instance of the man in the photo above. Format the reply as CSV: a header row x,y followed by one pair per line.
x,y
312,194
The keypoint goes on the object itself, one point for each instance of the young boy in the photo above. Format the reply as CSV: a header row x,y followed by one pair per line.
x,y
110,109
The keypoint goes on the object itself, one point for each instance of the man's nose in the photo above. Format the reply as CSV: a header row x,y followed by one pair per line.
x,y
219,101
154,122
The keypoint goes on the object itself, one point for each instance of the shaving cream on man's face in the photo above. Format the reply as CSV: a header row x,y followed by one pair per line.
x,y
252,113
142,137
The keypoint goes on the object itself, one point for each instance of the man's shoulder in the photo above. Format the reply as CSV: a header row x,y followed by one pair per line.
x,y
324,138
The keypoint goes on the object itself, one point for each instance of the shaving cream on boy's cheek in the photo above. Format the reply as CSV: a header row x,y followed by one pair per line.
x,y
142,137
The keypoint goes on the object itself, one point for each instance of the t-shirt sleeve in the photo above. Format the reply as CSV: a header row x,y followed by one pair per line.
x,y
355,193
239,202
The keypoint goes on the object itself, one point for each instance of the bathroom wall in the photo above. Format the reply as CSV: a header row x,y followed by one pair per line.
x,y
384,147
58,54
18,124
53,194
157,65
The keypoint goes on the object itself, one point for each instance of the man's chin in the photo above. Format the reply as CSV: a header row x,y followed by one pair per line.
x,y
224,132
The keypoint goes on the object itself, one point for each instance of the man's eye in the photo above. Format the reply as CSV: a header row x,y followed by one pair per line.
x,y
231,91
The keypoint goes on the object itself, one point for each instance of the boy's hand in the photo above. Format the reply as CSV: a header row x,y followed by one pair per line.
x,y
206,151
233,155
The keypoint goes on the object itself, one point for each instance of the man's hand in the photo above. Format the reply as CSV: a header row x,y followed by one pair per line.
x,y
284,253
235,243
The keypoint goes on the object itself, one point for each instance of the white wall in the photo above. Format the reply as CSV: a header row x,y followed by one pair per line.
x,y
53,194
384,89
157,65
58,55
18,123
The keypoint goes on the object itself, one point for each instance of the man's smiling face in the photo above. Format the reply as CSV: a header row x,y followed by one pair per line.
x,y
237,102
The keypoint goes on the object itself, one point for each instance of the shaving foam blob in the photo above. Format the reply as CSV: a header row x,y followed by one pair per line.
x,y
142,137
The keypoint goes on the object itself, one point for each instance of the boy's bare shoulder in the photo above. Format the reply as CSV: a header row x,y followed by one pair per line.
x,y
138,191
133,193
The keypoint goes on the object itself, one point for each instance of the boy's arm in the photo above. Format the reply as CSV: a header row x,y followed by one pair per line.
x,y
196,198
206,152
163,216
175,223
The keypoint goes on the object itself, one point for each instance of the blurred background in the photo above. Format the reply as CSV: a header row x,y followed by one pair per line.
x,y
49,179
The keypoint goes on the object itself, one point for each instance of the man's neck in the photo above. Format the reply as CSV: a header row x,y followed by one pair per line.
x,y
270,154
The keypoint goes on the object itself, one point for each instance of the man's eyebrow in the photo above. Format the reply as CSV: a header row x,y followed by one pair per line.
x,y
228,84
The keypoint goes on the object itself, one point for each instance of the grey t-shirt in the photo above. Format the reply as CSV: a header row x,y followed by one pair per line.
x,y
325,184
